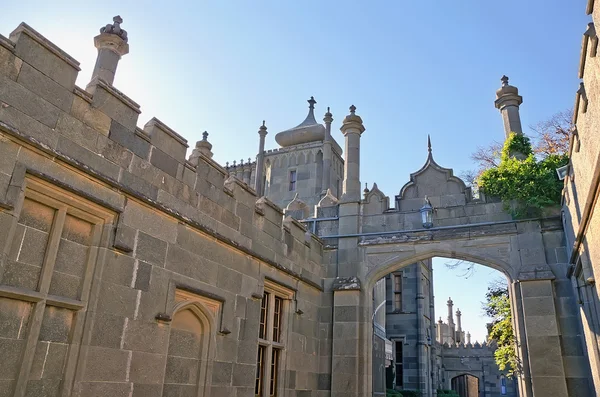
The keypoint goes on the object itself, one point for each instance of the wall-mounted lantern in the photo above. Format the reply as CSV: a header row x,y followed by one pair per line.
x,y
427,214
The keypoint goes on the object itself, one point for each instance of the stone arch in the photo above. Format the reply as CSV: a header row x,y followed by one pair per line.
x,y
399,260
191,349
466,384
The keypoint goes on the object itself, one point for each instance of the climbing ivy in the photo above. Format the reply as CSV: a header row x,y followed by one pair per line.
x,y
533,184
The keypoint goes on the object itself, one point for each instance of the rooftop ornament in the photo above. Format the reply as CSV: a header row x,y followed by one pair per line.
x,y
115,28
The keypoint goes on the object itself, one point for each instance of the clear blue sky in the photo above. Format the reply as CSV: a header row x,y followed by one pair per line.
x,y
412,68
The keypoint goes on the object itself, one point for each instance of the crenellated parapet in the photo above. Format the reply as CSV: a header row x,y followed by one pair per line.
x,y
66,132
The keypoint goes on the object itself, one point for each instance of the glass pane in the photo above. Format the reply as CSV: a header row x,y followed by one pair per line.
x,y
277,319
274,368
259,371
264,308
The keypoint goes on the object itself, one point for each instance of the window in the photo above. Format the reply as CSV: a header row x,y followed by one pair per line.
x,y
271,341
398,292
399,363
503,385
292,180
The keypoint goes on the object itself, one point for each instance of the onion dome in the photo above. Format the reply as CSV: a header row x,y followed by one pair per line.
x,y
307,131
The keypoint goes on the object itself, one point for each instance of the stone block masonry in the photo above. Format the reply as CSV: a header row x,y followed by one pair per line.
x,y
124,269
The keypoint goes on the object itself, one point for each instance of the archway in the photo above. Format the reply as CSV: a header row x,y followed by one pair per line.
x,y
466,385
420,345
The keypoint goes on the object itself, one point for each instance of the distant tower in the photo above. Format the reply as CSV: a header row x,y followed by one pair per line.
x,y
508,101
451,327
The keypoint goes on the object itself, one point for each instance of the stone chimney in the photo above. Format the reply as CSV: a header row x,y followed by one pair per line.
x,y
352,128
112,45
508,101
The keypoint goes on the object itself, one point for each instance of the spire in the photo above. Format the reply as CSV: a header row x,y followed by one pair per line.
x,y
428,143
311,103
504,80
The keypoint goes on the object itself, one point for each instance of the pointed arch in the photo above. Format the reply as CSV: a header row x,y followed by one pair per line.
x,y
191,348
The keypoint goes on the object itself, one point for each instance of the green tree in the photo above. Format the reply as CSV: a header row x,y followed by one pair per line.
x,y
500,330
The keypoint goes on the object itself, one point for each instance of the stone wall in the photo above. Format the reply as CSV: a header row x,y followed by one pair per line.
x,y
127,270
580,198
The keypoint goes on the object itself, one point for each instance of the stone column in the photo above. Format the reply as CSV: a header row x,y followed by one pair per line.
x,y
440,333
260,162
352,128
327,153
422,332
543,338
349,373
508,101
468,338
112,45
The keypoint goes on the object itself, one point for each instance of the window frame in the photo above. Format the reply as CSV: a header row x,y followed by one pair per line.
x,y
293,180
399,378
267,381
398,293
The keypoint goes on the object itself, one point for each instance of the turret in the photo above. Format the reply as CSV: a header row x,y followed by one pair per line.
x,y
458,326
352,128
508,101
259,184
112,45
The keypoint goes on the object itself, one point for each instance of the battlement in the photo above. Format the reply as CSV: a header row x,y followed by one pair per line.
x,y
94,131
467,349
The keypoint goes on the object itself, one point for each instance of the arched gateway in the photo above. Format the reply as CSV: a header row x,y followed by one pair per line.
x,y
374,240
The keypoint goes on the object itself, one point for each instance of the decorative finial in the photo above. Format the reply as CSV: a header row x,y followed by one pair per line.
x,y
262,129
234,163
428,143
504,80
366,190
249,160
115,28
241,162
227,164
352,109
311,102
328,111
205,136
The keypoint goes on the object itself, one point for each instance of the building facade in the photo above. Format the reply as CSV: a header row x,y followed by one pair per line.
x,y
130,268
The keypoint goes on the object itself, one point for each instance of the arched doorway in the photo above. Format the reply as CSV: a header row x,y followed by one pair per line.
x,y
466,385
